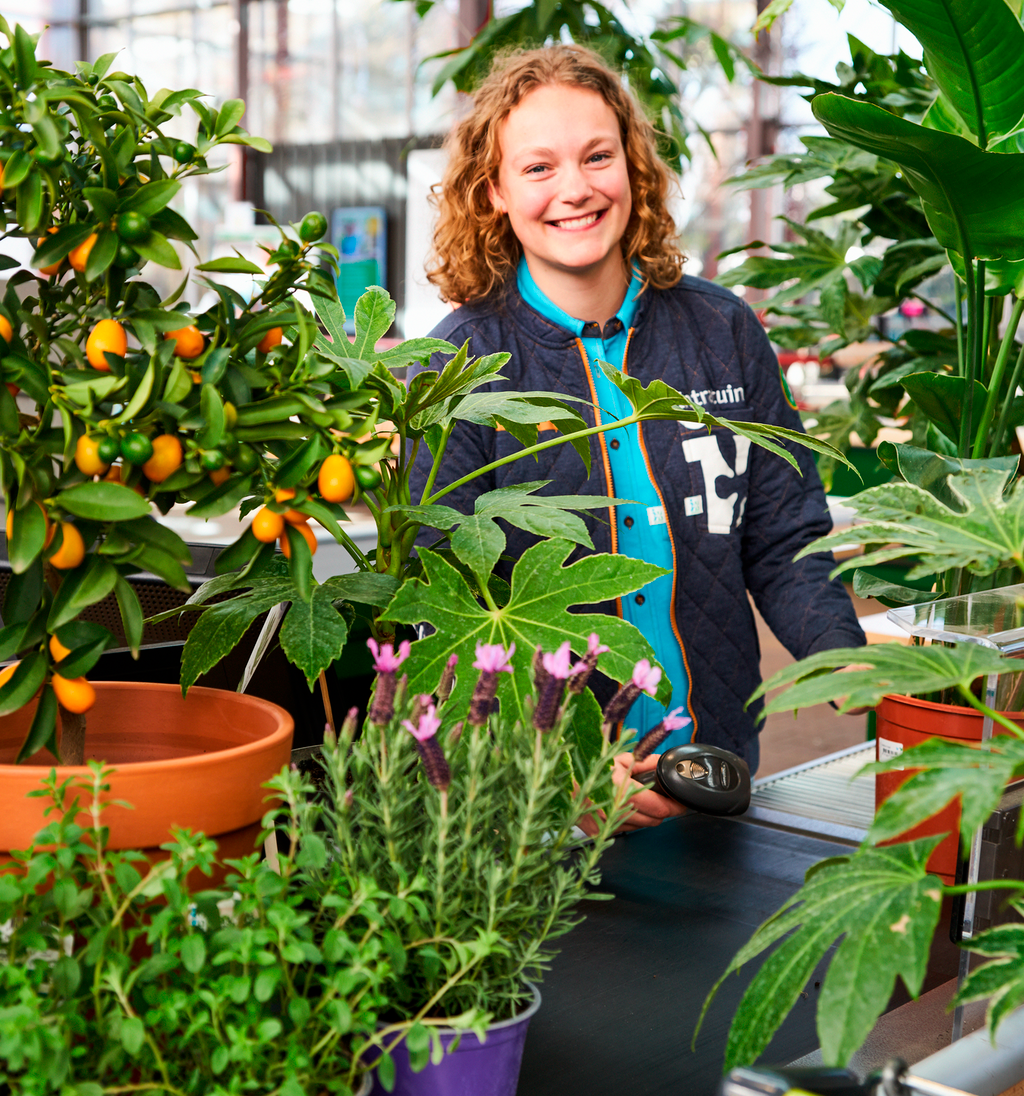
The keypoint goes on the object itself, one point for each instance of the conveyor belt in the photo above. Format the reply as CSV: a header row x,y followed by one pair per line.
x,y
824,798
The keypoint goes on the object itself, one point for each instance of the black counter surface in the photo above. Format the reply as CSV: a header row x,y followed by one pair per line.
x,y
622,998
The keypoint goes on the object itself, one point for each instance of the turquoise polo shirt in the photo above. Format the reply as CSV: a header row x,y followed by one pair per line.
x,y
642,526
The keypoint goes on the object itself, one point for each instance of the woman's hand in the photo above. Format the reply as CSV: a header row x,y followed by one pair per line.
x,y
649,808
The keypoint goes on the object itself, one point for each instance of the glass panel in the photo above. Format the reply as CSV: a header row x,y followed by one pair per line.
x,y
993,618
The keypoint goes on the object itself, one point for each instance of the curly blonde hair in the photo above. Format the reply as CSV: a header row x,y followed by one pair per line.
x,y
475,251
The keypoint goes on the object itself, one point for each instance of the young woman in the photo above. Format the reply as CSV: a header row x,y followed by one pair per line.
x,y
554,241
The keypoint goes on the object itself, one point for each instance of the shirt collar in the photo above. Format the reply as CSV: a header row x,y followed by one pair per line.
x,y
540,302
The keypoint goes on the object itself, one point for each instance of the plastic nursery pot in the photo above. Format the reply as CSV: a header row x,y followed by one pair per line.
x,y
902,722
490,1068
197,762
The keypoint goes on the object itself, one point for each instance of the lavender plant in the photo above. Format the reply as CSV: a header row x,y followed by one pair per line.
x,y
475,811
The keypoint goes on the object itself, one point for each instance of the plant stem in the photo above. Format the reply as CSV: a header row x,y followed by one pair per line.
x,y
985,885
959,322
1004,413
995,381
997,717
436,466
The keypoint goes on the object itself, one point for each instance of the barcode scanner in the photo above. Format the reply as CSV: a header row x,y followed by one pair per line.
x,y
704,778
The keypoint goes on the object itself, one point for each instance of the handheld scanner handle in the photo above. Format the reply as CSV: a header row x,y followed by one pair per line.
x,y
705,778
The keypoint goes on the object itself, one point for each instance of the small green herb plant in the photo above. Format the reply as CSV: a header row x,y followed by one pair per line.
x,y
118,976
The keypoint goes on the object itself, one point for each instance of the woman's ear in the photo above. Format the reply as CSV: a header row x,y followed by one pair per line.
x,y
495,195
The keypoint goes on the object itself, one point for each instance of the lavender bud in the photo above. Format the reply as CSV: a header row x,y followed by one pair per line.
x,y
545,714
444,687
434,763
651,741
382,707
616,708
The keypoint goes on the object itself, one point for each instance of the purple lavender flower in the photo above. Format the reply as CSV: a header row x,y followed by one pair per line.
x,y
385,663
491,659
644,679
425,734
557,669
656,735
583,670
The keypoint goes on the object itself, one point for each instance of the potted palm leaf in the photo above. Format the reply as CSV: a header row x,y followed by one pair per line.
x,y
950,510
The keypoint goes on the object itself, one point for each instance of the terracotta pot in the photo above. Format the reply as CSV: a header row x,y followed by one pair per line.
x,y
908,722
196,762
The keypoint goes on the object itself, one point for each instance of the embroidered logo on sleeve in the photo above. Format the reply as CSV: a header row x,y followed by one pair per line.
x,y
705,451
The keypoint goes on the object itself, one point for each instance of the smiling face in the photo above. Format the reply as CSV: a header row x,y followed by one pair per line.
x,y
564,184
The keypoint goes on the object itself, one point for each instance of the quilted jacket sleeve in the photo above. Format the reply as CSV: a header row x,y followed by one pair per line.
x,y
786,510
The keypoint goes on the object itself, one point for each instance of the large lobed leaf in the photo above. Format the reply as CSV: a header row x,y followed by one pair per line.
x,y
972,199
977,526
887,906
1002,980
948,770
891,668
537,615
479,540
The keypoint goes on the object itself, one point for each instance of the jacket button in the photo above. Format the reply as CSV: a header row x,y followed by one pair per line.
x,y
614,443
640,599
628,523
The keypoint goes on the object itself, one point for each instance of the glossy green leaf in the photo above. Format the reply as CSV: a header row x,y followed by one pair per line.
x,y
941,398
149,198
157,249
43,730
974,51
82,587
883,903
962,187
29,201
103,501
231,265
28,527
211,407
537,615
19,690
56,245
229,116
102,254
131,613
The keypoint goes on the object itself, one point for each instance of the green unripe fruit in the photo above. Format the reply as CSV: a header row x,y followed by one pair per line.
x,y
108,449
367,476
107,102
92,79
136,448
132,226
92,179
313,226
183,152
126,255
246,459
211,460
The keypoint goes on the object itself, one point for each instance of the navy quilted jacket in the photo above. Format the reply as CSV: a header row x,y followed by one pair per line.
x,y
737,514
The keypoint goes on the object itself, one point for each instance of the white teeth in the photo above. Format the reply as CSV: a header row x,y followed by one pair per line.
x,y
577,222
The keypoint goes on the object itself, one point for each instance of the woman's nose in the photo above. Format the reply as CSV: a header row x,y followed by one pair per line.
x,y
576,186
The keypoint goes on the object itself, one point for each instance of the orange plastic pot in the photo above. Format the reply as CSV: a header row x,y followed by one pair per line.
x,y
197,762
908,722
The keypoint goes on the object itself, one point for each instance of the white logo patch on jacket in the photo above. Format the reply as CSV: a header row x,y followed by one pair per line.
x,y
705,450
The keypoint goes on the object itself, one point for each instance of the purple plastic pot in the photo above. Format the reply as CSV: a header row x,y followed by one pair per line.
x,y
490,1068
